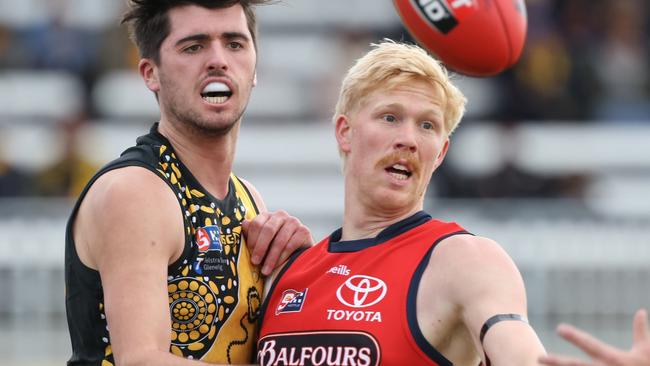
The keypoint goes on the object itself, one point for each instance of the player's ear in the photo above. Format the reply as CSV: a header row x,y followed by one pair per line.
x,y
442,154
149,73
343,132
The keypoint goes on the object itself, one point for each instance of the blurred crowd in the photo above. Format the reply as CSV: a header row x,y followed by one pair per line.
x,y
585,61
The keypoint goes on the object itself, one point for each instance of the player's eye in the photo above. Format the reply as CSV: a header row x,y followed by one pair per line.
x,y
235,45
193,48
389,118
427,125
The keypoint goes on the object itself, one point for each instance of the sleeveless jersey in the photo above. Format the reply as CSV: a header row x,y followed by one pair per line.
x,y
353,302
214,291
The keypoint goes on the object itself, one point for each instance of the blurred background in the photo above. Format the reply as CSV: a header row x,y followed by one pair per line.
x,y
552,160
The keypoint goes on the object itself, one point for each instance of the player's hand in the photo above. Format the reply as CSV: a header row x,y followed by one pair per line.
x,y
601,353
272,237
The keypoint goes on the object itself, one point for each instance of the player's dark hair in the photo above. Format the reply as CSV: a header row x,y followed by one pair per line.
x,y
148,20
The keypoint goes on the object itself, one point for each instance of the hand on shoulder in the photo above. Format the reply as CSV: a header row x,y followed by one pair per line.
x,y
272,237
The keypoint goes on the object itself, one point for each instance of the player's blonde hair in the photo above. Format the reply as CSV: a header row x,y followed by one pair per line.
x,y
390,64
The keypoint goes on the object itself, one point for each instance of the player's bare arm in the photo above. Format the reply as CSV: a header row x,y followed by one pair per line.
x,y
273,236
475,281
131,239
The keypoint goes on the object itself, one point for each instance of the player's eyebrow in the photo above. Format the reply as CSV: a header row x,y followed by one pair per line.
x,y
204,36
192,37
231,35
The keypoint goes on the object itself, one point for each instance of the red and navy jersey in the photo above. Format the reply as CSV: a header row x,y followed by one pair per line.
x,y
354,302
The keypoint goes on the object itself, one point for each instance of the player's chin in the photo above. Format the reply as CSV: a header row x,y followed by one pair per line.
x,y
396,200
216,124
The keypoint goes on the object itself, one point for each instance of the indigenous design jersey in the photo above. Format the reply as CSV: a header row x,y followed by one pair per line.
x,y
214,291
353,302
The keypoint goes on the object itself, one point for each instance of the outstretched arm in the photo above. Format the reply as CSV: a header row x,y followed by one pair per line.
x,y
486,287
601,353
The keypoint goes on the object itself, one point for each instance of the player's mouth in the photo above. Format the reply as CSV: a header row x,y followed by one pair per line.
x,y
399,171
216,93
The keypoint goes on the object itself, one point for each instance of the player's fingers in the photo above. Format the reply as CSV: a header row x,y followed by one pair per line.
x,y
553,360
253,232
640,327
301,238
267,232
589,344
277,247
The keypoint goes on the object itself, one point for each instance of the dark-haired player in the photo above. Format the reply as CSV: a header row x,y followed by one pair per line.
x,y
157,270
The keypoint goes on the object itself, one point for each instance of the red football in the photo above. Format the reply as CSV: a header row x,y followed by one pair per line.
x,y
472,37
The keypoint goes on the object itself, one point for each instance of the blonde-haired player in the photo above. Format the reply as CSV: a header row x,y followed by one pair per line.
x,y
386,66
393,285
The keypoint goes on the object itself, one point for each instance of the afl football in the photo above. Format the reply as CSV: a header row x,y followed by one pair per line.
x,y
471,37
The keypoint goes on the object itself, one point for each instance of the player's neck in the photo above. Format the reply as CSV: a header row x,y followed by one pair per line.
x,y
362,222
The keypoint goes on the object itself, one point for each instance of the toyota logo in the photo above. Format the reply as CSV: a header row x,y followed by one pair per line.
x,y
361,291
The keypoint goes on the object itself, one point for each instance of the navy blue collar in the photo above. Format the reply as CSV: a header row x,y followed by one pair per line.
x,y
335,244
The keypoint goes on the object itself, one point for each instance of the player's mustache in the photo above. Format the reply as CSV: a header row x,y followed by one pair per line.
x,y
216,72
395,156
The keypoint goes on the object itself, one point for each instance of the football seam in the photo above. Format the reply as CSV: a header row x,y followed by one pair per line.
x,y
506,30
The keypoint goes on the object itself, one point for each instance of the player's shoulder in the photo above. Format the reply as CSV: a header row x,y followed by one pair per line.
x,y
469,242
470,250
465,266
129,181
316,251
130,188
254,193
126,206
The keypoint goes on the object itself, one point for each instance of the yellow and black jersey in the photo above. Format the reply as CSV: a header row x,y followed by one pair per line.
x,y
214,291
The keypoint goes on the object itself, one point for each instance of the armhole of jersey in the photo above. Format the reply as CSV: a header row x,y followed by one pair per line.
x,y
247,197
120,164
277,278
75,210
411,306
